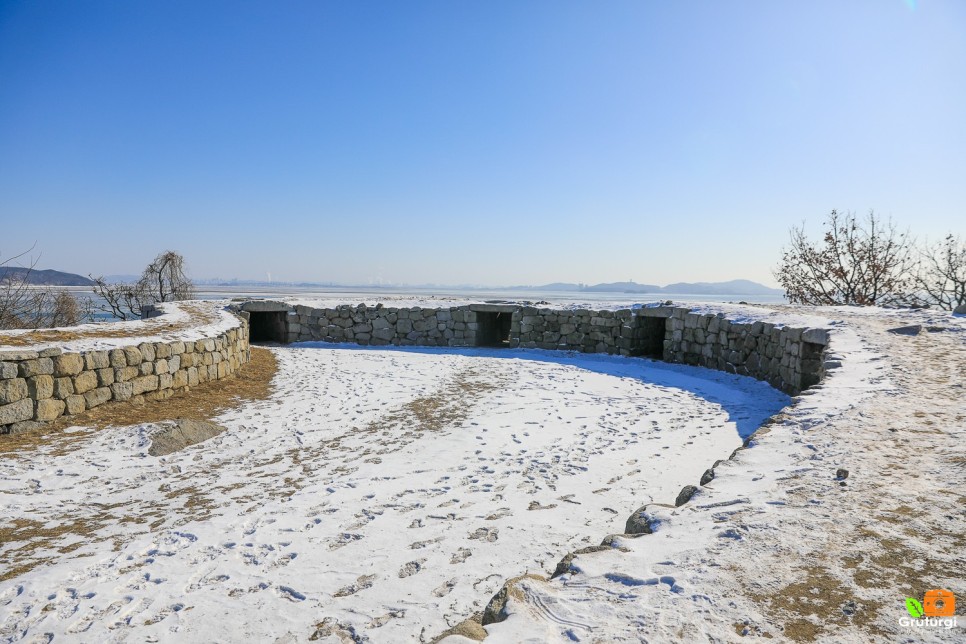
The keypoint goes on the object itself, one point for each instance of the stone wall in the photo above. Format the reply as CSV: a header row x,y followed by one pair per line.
x,y
38,386
789,358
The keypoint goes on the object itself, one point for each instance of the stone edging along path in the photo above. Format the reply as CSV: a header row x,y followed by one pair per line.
x,y
42,383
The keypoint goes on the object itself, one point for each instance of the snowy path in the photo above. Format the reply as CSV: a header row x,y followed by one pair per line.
x,y
382,493
776,546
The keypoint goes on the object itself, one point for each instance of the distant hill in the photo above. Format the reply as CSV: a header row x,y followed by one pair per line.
x,y
734,287
43,278
623,287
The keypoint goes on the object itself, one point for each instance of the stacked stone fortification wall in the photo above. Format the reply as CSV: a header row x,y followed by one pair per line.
x,y
38,386
788,358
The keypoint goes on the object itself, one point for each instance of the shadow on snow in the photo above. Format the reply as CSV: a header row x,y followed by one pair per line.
x,y
748,402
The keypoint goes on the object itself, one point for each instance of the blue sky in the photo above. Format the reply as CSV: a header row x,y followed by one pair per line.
x,y
454,142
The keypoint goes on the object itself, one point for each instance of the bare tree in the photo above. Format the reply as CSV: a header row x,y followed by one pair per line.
x,y
26,306
942,275
163,280
867,262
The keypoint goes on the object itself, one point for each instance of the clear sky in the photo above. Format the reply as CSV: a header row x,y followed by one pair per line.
x,y
489,143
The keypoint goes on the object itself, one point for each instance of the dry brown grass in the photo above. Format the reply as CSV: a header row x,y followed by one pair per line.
x,y
38,543
199,315
207,400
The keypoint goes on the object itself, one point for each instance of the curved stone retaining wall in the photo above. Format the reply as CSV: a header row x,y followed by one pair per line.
x,y
38,386
790,359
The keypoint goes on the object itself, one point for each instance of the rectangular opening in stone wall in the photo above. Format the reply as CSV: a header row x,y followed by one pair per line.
x,y
493,328
267,326
648,338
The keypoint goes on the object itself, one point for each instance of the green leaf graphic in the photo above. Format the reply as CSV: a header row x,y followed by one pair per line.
x,y
914,607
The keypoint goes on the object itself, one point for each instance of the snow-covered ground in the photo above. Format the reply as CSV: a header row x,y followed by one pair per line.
x,y
387,490
778,546
184,321
386,494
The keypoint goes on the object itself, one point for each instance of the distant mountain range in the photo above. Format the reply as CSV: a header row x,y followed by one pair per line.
x,y
733,287
42,278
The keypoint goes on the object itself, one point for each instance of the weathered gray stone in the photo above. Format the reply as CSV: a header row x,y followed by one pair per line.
x,y
182,434
97,397
8,370
639,522
63,387
147,351
84,382
38,367
16,411
495,610
564,565
96,360
48,409
133,356
685,495
40,387
144,384
25,426
117,358
75,404
68,364
122,391
105,377
12,390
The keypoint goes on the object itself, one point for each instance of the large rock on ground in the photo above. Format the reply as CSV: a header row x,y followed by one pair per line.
x,y
496,609
184,433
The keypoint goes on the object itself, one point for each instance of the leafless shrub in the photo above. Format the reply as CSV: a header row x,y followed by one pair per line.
x,y
163,280
942,274
866,263
25,306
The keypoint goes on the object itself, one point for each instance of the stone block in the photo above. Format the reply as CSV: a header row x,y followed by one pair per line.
x,y
97,397
146,368
63,387
165,381
193,378
117,358
49,409
75,404
84,382
125,374
815,336
40,387
161,366
37,367
12,390
177,348
16,411
147,351
179,379
133,356
105,377
122,391
97,360
8,370
145,383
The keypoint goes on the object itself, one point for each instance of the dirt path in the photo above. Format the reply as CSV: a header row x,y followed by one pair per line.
x,y
897,527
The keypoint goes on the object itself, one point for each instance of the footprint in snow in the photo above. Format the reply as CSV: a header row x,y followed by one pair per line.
x,y
411,568
444,589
